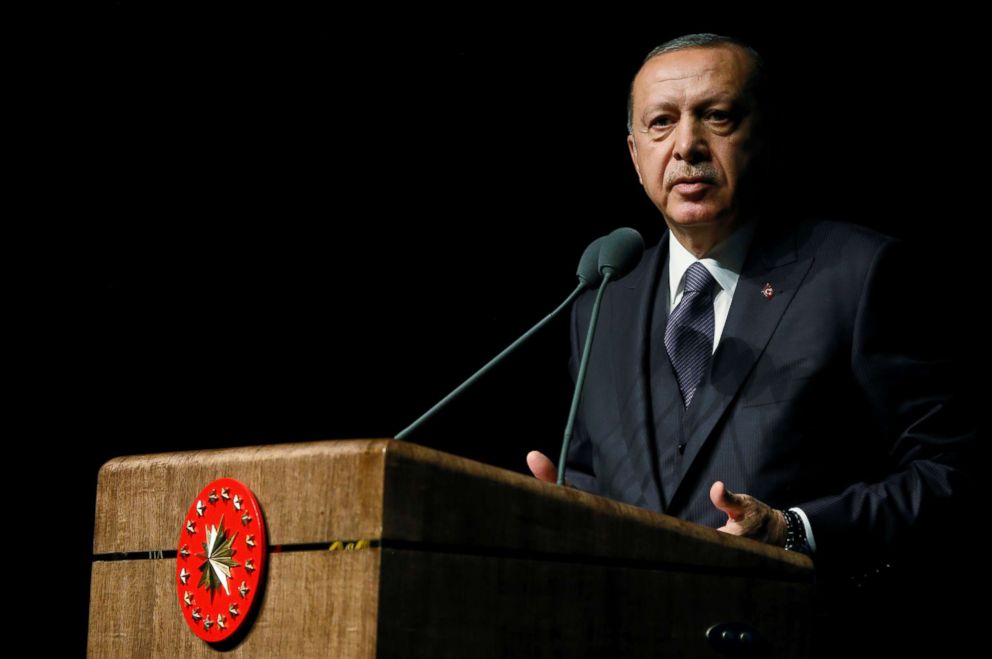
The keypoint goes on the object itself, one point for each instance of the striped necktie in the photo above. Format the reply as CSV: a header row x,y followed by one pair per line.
x,y
689,332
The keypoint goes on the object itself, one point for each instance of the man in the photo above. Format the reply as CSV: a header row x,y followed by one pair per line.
x,y
759,373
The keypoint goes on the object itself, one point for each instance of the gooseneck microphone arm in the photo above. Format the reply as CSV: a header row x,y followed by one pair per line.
x,y
495,360
619,253
589,275
581,377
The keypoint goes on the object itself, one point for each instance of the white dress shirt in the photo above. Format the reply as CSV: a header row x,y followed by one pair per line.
x,y
725,262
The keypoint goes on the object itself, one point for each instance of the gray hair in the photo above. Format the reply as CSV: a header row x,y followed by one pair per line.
x,y
756,84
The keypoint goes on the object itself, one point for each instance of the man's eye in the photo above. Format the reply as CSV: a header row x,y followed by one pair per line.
x,y
661,122
718,116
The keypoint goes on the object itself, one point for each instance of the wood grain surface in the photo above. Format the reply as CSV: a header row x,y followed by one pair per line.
x,y
318,492
467,560
452,605
316,604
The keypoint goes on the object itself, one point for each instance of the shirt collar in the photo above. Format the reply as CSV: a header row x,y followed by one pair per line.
x,y
724,261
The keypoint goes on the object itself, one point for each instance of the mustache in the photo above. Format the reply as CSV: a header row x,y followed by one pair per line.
x,y
703,171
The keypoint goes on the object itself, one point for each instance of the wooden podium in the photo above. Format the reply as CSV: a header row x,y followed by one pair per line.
x,y
465,560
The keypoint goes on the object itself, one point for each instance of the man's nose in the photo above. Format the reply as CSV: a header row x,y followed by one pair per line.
x,y
690,141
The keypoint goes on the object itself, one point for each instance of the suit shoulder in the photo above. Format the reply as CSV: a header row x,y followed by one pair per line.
x,y
840,239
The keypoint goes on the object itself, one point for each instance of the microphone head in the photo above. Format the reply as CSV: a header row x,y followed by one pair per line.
x,y
588,272
621,251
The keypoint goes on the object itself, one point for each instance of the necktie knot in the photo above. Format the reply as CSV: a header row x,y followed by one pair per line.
x,y
698,279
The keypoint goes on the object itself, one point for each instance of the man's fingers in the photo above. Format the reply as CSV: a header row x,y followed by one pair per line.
x,y
542,467
726,500
733,528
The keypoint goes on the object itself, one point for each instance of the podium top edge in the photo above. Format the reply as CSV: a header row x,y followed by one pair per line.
x,y
253,452
381,491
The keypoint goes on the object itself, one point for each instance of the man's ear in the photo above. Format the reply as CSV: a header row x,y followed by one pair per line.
x,y
632,147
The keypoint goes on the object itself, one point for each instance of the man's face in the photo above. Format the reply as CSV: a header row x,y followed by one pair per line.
x,y
693,135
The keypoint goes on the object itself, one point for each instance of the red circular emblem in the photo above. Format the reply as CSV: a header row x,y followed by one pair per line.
x,y
220,560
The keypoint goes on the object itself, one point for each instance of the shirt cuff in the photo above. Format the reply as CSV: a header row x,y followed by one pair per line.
x,y
807,527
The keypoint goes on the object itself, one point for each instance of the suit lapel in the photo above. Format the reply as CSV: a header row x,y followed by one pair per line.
x,y
772,259
630,320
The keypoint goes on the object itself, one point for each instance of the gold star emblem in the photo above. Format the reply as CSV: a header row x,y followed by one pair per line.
x,y
244,589
184,576
217,559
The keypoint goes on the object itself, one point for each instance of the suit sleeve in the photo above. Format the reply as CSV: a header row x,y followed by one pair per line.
x,y
578,467
903,367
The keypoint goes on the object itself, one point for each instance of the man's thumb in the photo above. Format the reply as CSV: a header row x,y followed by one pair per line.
x,y
542,467
724,499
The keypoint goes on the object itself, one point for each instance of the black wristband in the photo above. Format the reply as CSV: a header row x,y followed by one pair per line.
x,y
795,533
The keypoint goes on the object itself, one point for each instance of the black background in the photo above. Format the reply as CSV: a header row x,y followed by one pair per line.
x,y
288,227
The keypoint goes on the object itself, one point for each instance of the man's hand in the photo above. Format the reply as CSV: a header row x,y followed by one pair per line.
x,y
748,517
543,468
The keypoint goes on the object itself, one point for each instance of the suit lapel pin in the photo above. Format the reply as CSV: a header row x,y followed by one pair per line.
x,y
768,291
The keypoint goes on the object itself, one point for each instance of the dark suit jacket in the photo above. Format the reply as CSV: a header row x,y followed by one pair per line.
x,y
834,394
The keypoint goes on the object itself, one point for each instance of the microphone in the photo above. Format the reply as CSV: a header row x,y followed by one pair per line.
x,y
619,253
588,270
589,273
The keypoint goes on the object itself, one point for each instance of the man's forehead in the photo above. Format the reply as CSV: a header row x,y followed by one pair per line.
x,y
667,75
697,62
718,66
